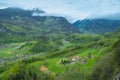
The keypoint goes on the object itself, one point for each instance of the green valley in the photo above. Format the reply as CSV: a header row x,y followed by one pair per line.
x,y
51,48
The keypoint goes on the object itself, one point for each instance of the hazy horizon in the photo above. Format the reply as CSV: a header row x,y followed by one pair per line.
x,y
71,9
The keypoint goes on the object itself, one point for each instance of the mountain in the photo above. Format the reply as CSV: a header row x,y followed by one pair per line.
x,y
39,47
115,16
97,25
19,22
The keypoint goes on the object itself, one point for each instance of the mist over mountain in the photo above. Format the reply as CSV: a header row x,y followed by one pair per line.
x,y
112,16
59,40
20,22
37,20
71,9
97,25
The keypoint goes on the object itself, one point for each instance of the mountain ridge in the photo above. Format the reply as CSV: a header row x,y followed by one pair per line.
x,y
97,25
20,22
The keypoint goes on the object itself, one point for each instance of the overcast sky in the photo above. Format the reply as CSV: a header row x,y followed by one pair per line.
x,y
76,9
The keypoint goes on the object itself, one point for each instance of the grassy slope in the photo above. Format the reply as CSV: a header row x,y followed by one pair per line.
x,y
53,63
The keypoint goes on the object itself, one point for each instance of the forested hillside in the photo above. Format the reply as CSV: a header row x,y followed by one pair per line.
x,y
51,48
19,25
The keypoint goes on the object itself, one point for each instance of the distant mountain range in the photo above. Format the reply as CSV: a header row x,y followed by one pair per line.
x,y
23,23
97,25
111,16
16,21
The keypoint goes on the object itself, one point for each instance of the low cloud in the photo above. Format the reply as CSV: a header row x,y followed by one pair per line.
x,y
71,9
